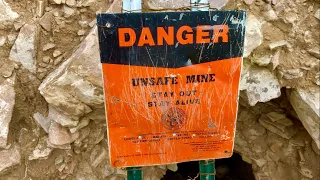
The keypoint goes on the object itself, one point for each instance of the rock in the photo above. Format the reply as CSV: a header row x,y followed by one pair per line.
x,y
317,14
42,121
87,3
67,11
315,148
46,21
278,125
84,171
41,151
83,24
262,61
275,60
24,50
12,38
218,4
80,74
61,118
2,40
254,132
47,59
6,69
93,23
58,60
83,123
306,103
117,177
272,155
81,32
86,83
314,52
6,14
166,4
71,3
98,154
7,100
18,25
59,135
259,84
172,167
279,118
249,2
253,36
56,53
260,162
9,158
48,46
277,44
84,133
292,73
40,8
55,1
306,172
64,147
270,15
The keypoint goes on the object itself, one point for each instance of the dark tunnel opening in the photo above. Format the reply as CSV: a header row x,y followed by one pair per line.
x,y
233,168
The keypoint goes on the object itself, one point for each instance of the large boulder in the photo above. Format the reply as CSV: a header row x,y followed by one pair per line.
x,y
306,103
259,84
75,88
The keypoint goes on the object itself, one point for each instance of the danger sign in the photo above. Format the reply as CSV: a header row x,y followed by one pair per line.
x,y
171,83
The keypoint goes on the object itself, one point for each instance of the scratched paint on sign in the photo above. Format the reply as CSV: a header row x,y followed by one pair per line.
x,y
171,83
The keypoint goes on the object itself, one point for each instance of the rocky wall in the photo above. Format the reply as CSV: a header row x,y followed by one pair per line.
x,y
52,122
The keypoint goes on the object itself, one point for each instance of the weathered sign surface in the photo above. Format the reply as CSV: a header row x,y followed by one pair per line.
x,y
171,83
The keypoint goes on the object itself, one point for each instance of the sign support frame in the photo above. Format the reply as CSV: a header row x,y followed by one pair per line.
x,y
129,6
206,167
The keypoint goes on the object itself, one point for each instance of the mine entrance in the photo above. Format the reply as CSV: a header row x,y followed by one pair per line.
x,y
233,168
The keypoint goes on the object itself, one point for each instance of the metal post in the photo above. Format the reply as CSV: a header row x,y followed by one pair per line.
x,y
206,167
134,173
199,5
131,6
128,6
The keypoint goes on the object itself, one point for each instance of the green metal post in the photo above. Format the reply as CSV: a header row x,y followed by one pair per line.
x,y
134,173
207,169
128,6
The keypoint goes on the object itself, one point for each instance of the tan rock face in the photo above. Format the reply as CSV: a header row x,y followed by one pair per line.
x,y
307,105
7,99
81,74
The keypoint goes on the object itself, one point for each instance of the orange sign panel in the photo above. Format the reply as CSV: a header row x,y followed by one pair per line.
x,y
174,98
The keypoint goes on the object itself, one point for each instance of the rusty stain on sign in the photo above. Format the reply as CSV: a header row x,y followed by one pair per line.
x,y
171,83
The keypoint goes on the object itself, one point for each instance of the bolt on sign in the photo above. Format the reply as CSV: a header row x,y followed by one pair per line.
x,y
171,84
